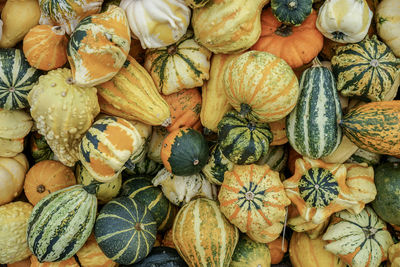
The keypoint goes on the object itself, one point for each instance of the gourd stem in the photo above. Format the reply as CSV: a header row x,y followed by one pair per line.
x,y
244,109
167,122
58,30
92,187
40,188
316,62
284,30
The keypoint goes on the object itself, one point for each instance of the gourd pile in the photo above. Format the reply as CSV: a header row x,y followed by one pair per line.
x,y
200,133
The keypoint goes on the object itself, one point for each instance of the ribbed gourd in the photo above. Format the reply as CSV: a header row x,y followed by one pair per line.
x,y
216,166
387,24
61,223
250,253
291,11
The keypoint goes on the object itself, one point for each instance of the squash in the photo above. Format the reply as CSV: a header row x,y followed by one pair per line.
x,y
99,47
215,246
278,129
125,230
267,234
184,64
304,251
157,23
167,240
11,147
374,127
46,177
196,3
90,255
298,224
18,16
146,167
252,197
387,24
162,256
22,263
63,112
342,153
243,141
216,166
291,11
393,255
362,155
276,158
359,240
251,253
344,21
67,13
182,189
71,262
132,95
45,47
261,86
12,176
13,223
39,148
296,45
61,222
228,27
277,249
155,144
366,70
184,152
185,107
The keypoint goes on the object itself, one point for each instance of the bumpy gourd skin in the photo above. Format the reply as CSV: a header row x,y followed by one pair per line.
x,y
63,112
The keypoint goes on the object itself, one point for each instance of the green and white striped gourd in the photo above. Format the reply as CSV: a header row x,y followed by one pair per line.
x,y
17,78
276,158
312,127
61,223
216,166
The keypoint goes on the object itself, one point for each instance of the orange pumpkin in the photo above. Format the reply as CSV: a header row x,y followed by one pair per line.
x,y
296,45
71,262
277,250
45,177
185,107
45,47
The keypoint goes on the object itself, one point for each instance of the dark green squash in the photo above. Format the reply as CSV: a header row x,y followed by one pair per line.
x,y
40,150
146,167
161,257
291,11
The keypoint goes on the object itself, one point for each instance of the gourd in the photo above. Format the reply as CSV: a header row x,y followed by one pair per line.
x,y
216,166
344,21
291,11
45,47
132,95
11,147
276,158
155,144
362,155
297,45
342,153
13,223
63,112
228,27
278,129
146,167
277,249
67,13
157,23
249,252
387,24
196,3
268,234
162,256
393,255
261,86
215,246
46,177
99,47
184,64
91,255
71,262
39,148
12,176
18,16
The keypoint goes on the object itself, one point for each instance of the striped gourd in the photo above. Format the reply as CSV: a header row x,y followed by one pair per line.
x,y
146,167
243,141
17,78
360,240
131,94
312,127
141,189
203,236
250,253
61,223
362,155
374,127
367,69
276,158
125,230
216,166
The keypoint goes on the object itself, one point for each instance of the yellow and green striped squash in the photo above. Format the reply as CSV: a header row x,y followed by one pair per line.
x,y
203,236
250,253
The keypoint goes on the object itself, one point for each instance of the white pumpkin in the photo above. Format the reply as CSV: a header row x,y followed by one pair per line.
x,y
344,21
157,23
387,17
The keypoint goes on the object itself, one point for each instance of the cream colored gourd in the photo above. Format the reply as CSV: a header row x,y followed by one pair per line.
x,y
344,21
12,176
11,147
157,23
387,17
155,143
342,153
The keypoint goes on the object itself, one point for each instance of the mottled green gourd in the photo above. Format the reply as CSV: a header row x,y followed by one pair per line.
x,y
216,166
291,11
250,253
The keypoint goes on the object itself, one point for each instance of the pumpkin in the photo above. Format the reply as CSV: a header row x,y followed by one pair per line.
x,y
99,47
108,144
216,166
215,246
226,26
304,251
374,127
46,177
185,107
278,129
155,144
243,141
13,223
261,86
277,249
132,95
184,152
359,240
344,21
125,230
18,16
91,255
39,148
291,11
63,112
366,70
296,45
184,64
251,253
181,189
387,24
12,176
45,47
71,262
157,23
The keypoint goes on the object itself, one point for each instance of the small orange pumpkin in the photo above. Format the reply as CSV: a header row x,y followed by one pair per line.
x,y
296,45
45,177
45,47
277,250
